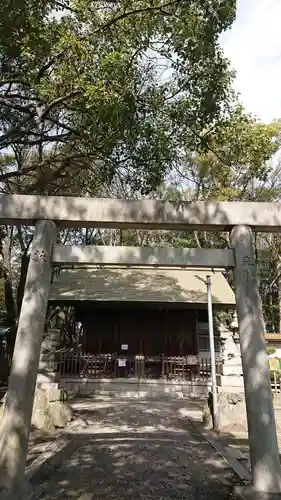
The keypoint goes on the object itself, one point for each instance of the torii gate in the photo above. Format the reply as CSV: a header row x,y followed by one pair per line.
x,y
49,214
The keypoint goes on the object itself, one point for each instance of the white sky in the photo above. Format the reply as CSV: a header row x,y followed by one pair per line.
x,y
253,46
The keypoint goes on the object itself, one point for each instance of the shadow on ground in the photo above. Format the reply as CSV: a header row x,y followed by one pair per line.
x,y
136,449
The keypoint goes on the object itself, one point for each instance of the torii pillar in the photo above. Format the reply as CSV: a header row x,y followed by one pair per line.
x,y
16,422
264,456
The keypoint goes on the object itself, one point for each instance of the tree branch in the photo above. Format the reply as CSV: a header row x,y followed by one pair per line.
x,y
117,18
59,100
17,107
44,138
48,65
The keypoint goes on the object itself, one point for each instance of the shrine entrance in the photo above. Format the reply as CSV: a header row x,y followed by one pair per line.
x,y
51,213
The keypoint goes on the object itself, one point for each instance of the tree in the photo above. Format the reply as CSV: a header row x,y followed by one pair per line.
x,y
95,95
85,89
235,164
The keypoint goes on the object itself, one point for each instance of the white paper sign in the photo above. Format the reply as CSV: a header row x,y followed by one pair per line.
x,y
122,363
124,347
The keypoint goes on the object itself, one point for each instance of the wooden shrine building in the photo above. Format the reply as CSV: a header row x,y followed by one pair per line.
x,y
141,311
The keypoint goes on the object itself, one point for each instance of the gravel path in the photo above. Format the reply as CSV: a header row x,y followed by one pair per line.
x,y
139,450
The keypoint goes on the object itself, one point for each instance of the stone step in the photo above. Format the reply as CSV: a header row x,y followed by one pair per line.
x,y
142,394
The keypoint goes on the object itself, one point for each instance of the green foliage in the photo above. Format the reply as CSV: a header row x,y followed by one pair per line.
x,y
236,165
131,92
271,350
237,158
86,91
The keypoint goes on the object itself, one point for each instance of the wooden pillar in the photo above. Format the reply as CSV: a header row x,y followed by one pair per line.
x,y
16,420
264,454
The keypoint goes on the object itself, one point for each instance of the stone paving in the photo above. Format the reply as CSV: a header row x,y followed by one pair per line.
x,y
138,449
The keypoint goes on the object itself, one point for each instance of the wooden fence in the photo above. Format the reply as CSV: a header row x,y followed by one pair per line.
x,y
275,378
185,368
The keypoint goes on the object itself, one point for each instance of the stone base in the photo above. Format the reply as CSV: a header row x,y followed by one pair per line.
x,y
231,389
248,492
47,385
232,370
230,384
230,381
50,410
232,410
46,378
53,392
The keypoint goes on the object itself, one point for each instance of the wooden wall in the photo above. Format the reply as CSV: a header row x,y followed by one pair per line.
x,y
149,332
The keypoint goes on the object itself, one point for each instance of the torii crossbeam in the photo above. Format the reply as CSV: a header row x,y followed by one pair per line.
x,y
71,212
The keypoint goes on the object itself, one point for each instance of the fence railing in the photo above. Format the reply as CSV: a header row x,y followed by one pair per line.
x,y
73,364
275,379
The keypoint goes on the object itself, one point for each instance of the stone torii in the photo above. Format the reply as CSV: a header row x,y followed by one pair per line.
x,y
49,214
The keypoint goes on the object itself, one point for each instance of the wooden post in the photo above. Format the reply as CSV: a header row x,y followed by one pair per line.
x,y
16,420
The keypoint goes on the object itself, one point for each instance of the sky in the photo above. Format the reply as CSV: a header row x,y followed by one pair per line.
x,y
253,45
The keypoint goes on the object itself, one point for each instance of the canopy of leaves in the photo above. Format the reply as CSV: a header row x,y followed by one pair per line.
x,y
237,165
234,164
106,87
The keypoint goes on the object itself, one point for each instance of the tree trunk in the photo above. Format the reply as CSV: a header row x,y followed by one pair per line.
x,y
9,301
